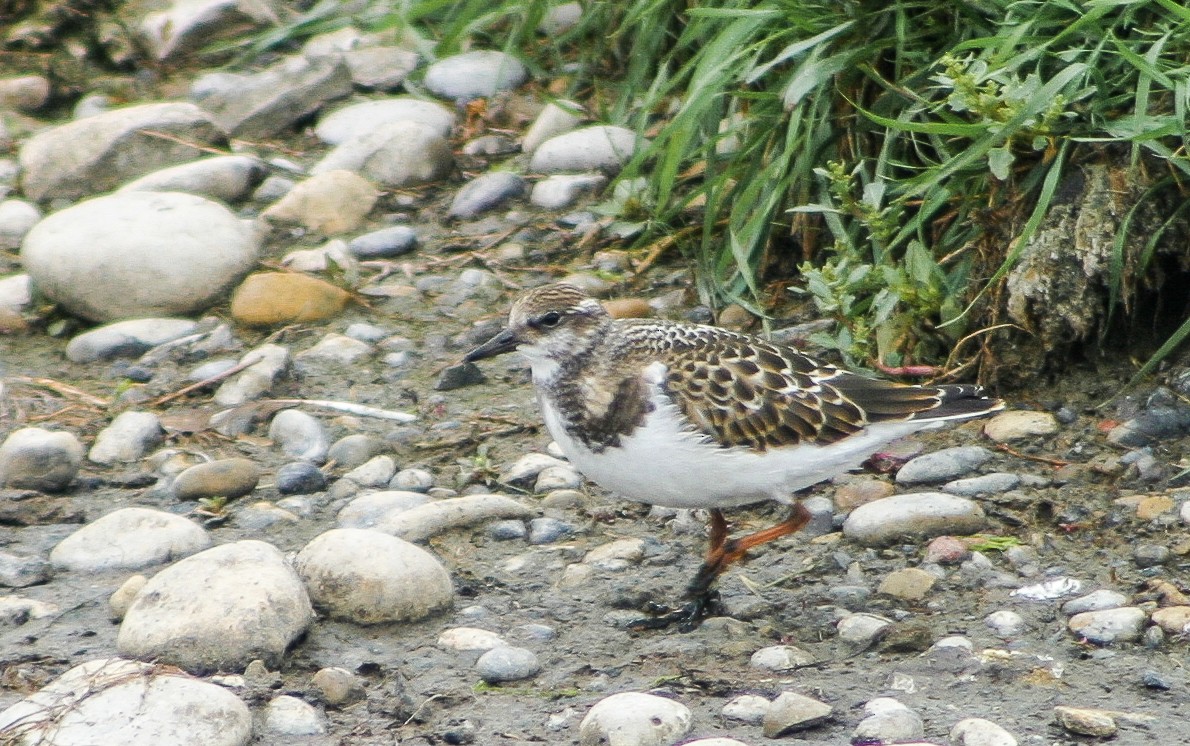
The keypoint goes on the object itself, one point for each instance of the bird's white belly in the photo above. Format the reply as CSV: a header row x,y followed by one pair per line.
x,y
664,463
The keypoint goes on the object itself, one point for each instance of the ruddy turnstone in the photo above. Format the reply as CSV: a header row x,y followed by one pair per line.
x,y
692,416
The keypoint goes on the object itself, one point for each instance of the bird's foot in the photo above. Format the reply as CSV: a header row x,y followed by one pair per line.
x,y
687,617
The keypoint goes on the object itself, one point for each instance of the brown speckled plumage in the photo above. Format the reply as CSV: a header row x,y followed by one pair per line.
x,y
737,390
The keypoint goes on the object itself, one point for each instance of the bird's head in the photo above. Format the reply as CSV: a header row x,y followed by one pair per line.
x,y
546,324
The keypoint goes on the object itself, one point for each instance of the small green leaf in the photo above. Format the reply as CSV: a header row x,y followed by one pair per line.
x,y
1000,162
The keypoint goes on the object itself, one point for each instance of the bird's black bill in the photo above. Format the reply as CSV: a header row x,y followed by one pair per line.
x,y
503,342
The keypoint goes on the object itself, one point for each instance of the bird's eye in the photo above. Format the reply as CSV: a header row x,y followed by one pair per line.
x,y
550,319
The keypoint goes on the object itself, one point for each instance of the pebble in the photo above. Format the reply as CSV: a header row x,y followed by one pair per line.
x,y
888,721
1150,555
330,202
412,480
403,154
229,477
353,450
1096,601
374,508
375,472
907,584
860,631
485,193
780,658
385,243
635,719
121,599
524,470
114,701
351,122
603,148
857,491
272,298
36,459
791,712
946,550
267,103
299,478
160,254
335,349
22,571
289,716
1151,426
218,610
1005,624
129,539
1017,425
563,477
507,663
917,515
17,218
1109,626
366,577
616,555
944,465
563,190
985,484
1085,721
477,74
338,686
266,364
99,153
980,732
548,530
458,376
25,93
746,708
128,338
299,435
554,119
227,178
470,638
127,438
1174,620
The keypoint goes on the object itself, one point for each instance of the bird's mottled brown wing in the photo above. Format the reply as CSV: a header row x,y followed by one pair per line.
x,y
743,391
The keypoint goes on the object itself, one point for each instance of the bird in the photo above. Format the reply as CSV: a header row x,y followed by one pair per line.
x,y
695,416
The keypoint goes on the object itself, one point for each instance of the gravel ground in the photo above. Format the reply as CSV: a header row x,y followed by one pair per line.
x,y
1077,520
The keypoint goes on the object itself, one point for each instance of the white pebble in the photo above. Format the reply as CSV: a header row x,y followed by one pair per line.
x,y
127,438
367,577
980,732
506,663
1109,625
780,658
635,719
747,708
290,716
299,435
129,539
1005,623
469,638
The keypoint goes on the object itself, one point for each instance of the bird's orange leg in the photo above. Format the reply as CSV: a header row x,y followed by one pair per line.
x,y
724,552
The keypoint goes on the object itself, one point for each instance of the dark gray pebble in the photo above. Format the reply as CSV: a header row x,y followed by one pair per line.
x,y
300,478
548,530
507,530
1154,680
458,376
384,243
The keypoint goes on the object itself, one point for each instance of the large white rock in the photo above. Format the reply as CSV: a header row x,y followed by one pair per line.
x,y
594,148
402,154
352,121
364,576
139,254
476,74
36,459
218,610
635,719
183,27
129,539
127,438
99,153
228,178
115,701
918,515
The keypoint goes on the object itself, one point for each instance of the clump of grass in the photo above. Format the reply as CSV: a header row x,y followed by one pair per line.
x,y
894,158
